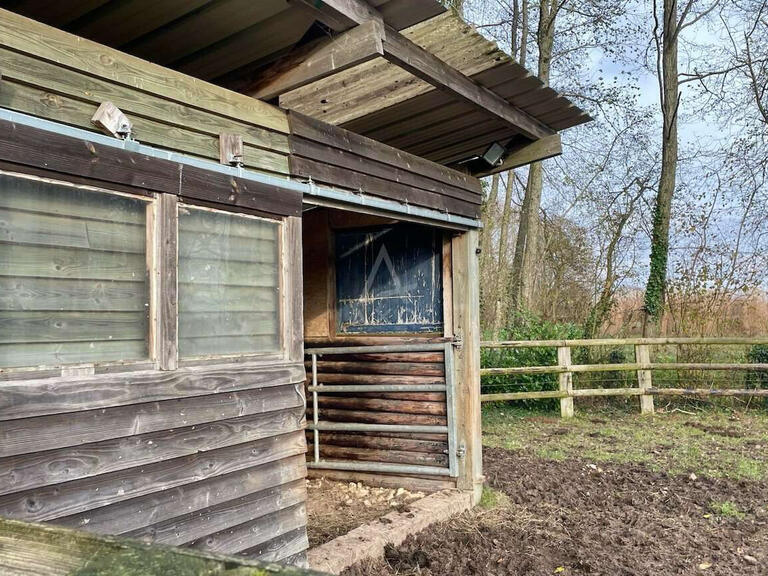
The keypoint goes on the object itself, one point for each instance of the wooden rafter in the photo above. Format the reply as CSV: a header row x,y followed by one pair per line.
x,y
526,153
322,58
401,51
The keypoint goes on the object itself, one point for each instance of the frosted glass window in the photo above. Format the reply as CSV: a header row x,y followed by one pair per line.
x,y
74,286
228,284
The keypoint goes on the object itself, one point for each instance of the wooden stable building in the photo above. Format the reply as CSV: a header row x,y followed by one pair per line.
x,y
165,169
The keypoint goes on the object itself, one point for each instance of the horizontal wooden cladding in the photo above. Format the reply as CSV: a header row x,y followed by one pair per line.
x,y
55,501
337,157
27,471
400,408
59,154
45,397
61,430
55,75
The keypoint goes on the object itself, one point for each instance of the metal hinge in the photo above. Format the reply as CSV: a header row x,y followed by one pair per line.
x,y
462,450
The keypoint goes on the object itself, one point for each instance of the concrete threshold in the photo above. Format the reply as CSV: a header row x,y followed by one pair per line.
x,y
367,542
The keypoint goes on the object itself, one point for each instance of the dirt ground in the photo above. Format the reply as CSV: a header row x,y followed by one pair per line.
x,y
546,513
335,508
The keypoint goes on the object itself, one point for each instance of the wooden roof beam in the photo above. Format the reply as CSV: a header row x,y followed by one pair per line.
x,y
526,153
423,64
322,58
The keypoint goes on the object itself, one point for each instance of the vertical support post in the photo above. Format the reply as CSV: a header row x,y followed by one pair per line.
x,y
466,325
165,292
315,416
644,382
292,288
450,401
566,381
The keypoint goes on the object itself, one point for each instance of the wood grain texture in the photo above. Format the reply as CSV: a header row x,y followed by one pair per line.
x,y
33,398
60,430
42,149
30,37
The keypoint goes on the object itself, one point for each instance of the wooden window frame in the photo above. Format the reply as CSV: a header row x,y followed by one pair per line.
x,y
168,349
89,368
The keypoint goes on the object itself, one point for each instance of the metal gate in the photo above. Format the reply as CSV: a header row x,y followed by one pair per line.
x,y
318,426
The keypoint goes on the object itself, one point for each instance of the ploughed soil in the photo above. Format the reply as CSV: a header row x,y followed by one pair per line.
x,y
335,508
576,517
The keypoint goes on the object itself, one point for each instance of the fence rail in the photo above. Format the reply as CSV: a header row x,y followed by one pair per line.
x,y
642,365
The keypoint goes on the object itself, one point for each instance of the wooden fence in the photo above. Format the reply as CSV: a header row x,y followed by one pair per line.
x,y
642,366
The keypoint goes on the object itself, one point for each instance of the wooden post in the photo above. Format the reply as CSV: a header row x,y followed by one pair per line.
x,y
165,293
566,381
643,356
466,325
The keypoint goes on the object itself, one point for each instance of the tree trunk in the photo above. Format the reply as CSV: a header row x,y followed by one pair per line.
x,y
499,282
487,260
524,264
670,100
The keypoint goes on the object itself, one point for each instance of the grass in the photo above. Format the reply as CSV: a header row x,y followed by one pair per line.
x,y
714,443
491,499
726,509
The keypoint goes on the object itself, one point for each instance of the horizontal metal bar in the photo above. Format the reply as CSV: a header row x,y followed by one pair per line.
x,y
582,368
380,467
396,428
424,347
380,388
620,342
325,193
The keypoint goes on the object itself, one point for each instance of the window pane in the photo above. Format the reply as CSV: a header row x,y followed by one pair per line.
x,y
228,284
73,275
389,279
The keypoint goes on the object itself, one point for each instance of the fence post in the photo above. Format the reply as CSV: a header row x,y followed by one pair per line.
x,y
566,381
643,356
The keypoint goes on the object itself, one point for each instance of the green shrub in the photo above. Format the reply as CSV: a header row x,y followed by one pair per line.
x,y
758,354
525,327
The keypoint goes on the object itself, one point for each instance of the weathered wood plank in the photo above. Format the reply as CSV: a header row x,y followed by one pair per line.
x,y
200,298
49,502
393,367
293,288
61,430
382,405
279,548
377,379
43,550
43,149
229,345
210,324
397,174
28,471
335,137
26,326
331,452
371,417
321,59
39,101
161,509
53,262
29,37
212,271
255,532
31,398
194,527
382,442
35,293
58,353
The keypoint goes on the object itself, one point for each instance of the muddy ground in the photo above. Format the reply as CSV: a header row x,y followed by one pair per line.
x,y
335,508
575,516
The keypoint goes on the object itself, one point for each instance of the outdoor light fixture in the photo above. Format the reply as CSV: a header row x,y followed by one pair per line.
x,y
494,154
